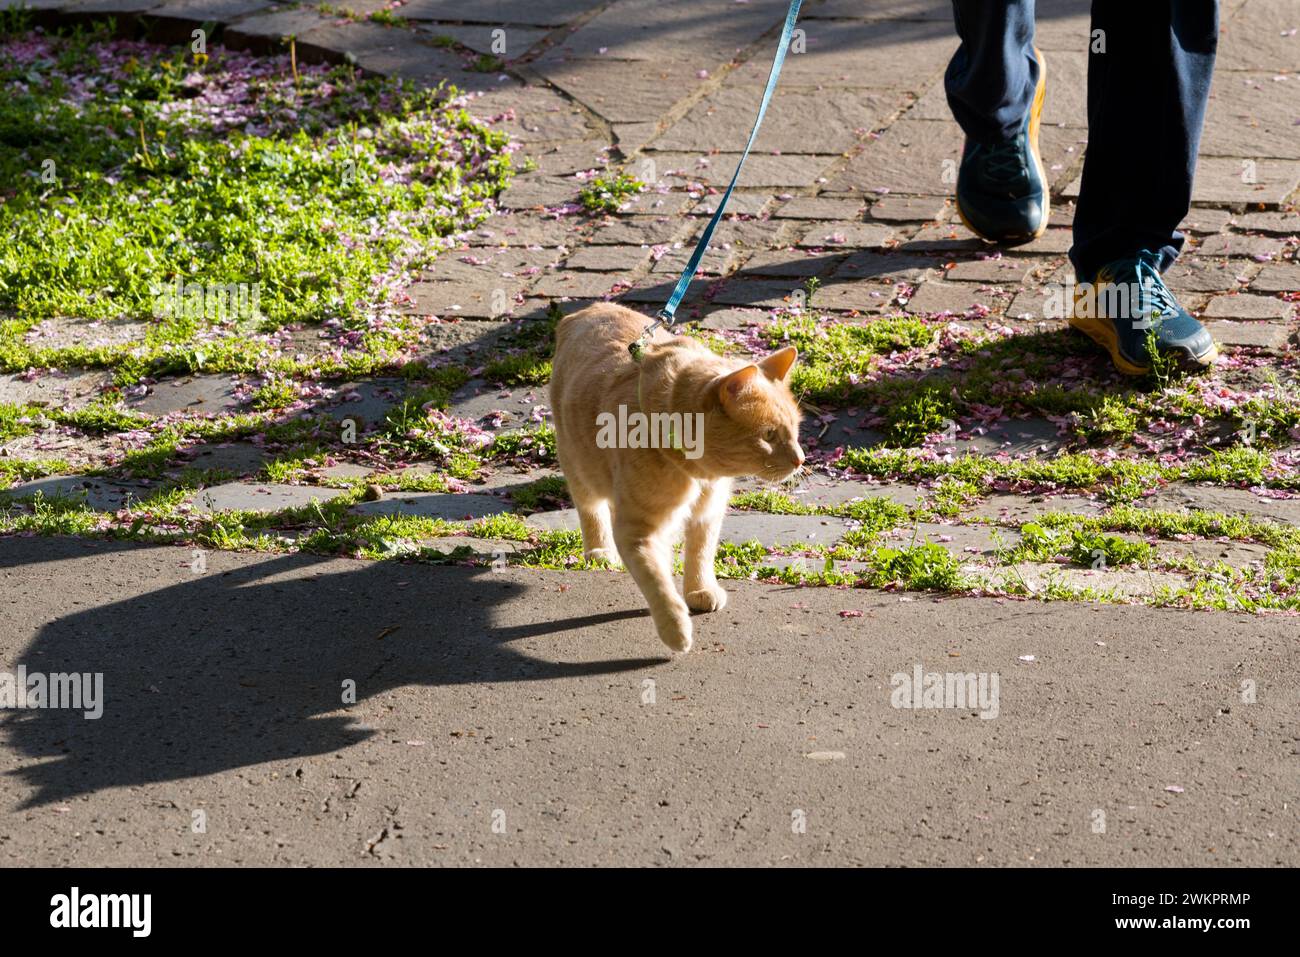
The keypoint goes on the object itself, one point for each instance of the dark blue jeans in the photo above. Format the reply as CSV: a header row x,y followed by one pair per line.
x,y
1146,104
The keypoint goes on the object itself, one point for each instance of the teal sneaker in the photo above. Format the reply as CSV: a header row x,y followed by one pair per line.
x,y
1002,187
1127,308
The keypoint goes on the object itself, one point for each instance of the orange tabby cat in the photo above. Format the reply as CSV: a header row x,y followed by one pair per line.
x,y
650,447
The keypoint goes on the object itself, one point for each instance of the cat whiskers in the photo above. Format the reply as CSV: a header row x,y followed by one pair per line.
x,y
786,479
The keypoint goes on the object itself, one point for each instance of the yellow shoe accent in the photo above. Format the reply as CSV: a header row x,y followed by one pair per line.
x,y
1035,121
1103,333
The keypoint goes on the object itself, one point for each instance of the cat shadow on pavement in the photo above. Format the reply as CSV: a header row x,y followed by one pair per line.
x,y
247,662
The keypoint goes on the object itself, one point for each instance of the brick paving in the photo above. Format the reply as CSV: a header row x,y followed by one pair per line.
x,y
850,184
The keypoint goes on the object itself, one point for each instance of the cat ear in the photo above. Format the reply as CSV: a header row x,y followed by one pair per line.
x,y
731,385
777,366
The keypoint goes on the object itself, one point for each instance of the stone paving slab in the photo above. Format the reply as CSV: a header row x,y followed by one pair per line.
x,y
753,203
848,235
468,340
202,11
70,333
638,230
1233,501
507,480
64,389
869,264
1248,180
560,520
762,170
528,191
770,293
660,198
662,32
620,91
544,13
1258,335
822,121
345,471
1281,222
877,55
908,208
480,547
490,266
1252,114
923,10
938,298
496,410
1209,552
609,258
741,527
819,207
862,296
1277,277
1258,248
795,264
535,115
912,156
72,449
268,497
843,429
207,395
241,458
368,402
101,495
1016,438
1249,307
992,271
1198,275
445,505
265,31
483,38
1260,36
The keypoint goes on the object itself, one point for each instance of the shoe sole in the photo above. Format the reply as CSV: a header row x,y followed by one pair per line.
x,y
1035,121
1103,333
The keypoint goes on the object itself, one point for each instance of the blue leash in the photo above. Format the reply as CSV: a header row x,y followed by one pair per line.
x,y
665,316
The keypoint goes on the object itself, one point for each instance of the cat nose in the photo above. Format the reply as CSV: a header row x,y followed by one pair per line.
x,y
798,459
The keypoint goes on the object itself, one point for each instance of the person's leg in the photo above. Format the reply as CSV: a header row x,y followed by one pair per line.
x,y
991,78
995,85
1149,73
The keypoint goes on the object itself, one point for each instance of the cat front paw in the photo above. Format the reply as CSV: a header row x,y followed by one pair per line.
x,y
707,599
607,555
676,633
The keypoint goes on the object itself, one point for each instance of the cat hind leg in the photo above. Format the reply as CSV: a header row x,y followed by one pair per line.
x,y
597,532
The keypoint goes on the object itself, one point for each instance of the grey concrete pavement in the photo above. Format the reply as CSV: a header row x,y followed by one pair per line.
x,y
505,718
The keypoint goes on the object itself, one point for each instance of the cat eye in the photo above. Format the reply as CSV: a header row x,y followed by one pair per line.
x,y
770,436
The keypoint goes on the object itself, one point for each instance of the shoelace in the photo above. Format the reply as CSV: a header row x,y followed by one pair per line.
x,y
1158,301
1006,161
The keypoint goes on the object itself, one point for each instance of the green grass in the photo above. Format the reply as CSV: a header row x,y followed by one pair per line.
x,y
336,187
608,194
924,567
1082,545
526,353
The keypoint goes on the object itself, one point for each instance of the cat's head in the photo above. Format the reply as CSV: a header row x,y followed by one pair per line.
x,y
753,428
